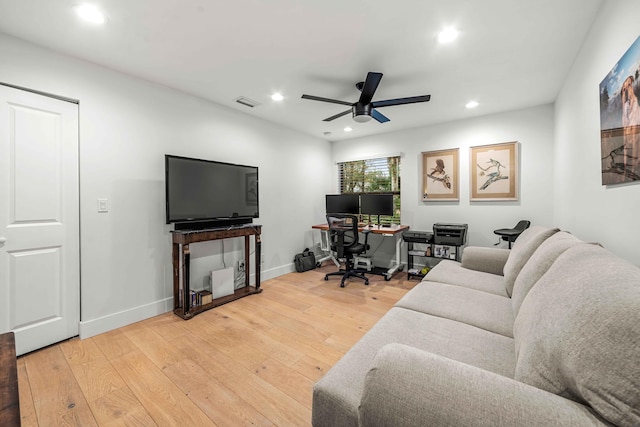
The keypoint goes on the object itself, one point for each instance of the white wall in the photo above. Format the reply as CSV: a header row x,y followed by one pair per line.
x,y
126,127
606,214
532,128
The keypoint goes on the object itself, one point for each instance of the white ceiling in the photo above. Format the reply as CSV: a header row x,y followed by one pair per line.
x,y
511,54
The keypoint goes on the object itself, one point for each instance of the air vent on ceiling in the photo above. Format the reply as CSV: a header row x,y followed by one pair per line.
x,y
247,102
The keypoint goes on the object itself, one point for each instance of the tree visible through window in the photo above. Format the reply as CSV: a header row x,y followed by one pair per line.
x,y
373,176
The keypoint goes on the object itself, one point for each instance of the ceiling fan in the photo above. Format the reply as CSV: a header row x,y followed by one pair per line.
x,y
364,109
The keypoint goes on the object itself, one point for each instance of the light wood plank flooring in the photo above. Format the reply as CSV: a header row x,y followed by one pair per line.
x,y
250,362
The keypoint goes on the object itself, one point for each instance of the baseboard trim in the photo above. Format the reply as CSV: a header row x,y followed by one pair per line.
x,y
90,328
274,272
113,321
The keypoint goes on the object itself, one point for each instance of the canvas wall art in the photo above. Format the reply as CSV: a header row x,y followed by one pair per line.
x,y
620,119
494,172
440,175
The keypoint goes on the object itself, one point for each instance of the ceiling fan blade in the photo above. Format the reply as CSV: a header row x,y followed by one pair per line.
x,y
344,113
333,101
381,118
401,101
370,85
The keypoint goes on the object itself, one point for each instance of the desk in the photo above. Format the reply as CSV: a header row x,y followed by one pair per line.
x,y
394,231
181,257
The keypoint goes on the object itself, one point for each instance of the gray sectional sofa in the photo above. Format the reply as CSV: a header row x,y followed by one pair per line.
x,y
546,334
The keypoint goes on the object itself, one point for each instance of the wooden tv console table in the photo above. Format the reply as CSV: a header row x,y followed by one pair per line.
x,y
181,256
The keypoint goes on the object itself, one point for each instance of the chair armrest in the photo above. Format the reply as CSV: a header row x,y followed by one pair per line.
x,y
488,260
366,238
410,387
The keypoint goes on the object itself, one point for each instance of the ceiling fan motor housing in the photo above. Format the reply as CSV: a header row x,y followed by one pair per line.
x,y
361,112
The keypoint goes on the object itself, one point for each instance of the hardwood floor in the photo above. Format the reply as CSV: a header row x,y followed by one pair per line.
x,y
250,362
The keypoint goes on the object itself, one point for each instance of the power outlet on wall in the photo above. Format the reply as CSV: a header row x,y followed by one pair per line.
x,y
241,266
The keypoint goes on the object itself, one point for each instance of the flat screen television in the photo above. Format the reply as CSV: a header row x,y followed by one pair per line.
x,y
209,192
343,203
376,204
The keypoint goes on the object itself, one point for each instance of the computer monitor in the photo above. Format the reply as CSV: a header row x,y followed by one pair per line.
x,y
342,203
376,204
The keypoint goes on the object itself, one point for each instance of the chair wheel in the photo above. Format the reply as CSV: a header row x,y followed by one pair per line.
x,y
387,277
366,282
318,264
342,285
326,278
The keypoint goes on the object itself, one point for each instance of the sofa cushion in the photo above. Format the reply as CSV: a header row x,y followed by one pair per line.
x,y
539,263
578,335
337,395
476,308
413,388
524,246
453,273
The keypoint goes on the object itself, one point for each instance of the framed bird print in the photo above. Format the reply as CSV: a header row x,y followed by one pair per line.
x,y
440,175
494,172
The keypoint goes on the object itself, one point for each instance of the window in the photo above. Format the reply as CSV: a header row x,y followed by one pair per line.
x,y
373,176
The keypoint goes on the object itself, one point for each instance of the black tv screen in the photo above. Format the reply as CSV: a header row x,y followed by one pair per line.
x,y
376,204
201,190
342,203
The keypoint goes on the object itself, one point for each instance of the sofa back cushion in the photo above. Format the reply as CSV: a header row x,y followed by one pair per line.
x,y
524,246
539,263
577,333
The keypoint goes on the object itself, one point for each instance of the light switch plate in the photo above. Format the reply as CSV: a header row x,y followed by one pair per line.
x,y
103,205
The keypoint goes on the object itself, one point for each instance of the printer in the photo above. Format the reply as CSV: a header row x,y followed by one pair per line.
x,y
450,234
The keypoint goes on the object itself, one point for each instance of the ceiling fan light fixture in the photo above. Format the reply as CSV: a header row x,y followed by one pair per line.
x,y
362,118
361,112
472,104
277,97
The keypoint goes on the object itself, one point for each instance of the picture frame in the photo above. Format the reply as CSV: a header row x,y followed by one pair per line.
x,y
444,251
437,251
620,119
440,175
494,172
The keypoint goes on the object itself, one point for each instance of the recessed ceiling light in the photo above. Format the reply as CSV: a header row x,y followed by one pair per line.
x,y
348,129
472,104
448,35
90,13
277,97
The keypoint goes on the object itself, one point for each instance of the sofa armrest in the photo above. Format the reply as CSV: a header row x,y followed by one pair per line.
x,y
410,387
488,260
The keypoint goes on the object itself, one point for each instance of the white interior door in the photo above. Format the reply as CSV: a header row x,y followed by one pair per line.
x,y
39,219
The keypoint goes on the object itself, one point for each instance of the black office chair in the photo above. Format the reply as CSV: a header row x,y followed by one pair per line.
x,y
343,239
511,234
